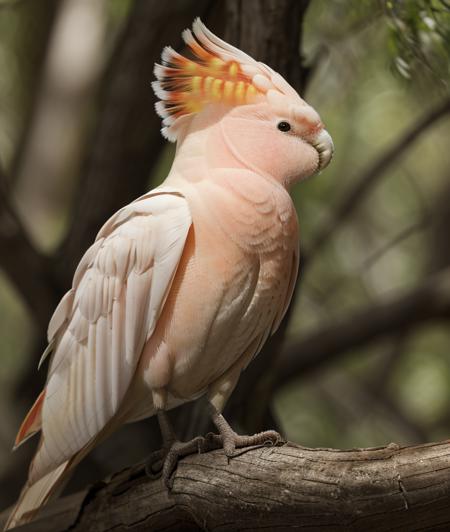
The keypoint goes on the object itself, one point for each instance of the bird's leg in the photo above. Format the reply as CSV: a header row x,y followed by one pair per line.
x,y
156,459
180,449
163,462
231,441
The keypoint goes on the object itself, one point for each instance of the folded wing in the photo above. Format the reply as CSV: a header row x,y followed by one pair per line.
x,y
102,323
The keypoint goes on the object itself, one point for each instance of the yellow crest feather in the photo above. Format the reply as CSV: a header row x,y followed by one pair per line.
x,y
185,85
218,73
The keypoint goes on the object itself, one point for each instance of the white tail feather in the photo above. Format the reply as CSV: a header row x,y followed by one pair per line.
x,y
34,496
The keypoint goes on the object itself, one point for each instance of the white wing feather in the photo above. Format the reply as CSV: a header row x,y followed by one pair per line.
x,y
100,326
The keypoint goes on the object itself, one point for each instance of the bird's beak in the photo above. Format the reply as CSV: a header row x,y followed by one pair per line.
x,y
323,143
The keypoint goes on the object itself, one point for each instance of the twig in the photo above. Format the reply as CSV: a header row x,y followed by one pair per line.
x,y
402,235
324,292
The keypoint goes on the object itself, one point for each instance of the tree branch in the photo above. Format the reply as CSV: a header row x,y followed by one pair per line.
x,y
383,489
430,300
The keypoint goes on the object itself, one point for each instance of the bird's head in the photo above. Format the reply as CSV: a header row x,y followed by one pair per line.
x,y
245,113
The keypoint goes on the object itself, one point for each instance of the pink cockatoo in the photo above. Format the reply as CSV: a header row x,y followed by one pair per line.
x,y
183,286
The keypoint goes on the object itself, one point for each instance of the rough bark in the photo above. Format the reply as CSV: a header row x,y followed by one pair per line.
x,y
383,489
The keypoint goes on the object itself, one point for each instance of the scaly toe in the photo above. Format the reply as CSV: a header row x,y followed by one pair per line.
x,y
177,451
212,442
270,437
247,443
154,464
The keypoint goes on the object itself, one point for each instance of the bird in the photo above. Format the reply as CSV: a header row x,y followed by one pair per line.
x,y
183,286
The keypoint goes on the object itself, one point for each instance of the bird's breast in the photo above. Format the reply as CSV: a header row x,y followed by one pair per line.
x,y
228,289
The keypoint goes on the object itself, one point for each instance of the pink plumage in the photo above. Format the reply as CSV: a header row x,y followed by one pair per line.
x,y
183,286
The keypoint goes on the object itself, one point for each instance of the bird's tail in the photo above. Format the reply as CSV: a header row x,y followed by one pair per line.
x,y
33,496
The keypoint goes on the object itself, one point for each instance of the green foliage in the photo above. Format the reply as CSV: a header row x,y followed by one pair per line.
x,y
420,38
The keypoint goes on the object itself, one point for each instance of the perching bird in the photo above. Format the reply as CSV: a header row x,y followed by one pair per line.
x,y
183,286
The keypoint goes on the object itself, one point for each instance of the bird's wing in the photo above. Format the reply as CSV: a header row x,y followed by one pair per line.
x,y
101,325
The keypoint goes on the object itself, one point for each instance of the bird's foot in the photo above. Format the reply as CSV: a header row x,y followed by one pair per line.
x,y
232,441
235,445
154,463
162,463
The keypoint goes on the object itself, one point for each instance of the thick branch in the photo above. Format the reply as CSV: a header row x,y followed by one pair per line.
x,y
430,300
360,187
382,489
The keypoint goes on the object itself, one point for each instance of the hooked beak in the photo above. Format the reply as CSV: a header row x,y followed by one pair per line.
x,y
323,143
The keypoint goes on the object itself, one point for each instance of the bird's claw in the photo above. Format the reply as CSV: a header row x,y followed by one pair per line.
x,y
234,441
162,463
154,464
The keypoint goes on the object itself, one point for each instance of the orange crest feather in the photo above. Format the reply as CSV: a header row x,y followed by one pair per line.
x,y
219,73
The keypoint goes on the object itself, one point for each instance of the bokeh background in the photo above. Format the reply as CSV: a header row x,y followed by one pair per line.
x,y
363,358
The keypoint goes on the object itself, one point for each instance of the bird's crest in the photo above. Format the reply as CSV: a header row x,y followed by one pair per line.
x,y
218,72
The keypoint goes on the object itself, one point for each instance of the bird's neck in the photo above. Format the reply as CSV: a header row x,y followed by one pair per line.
x,y
203,149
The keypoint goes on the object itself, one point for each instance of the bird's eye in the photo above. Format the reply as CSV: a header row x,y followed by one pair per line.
x,y
284,126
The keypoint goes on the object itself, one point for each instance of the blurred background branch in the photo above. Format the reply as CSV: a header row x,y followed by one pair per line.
x,y
360,186
393,315
20,256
